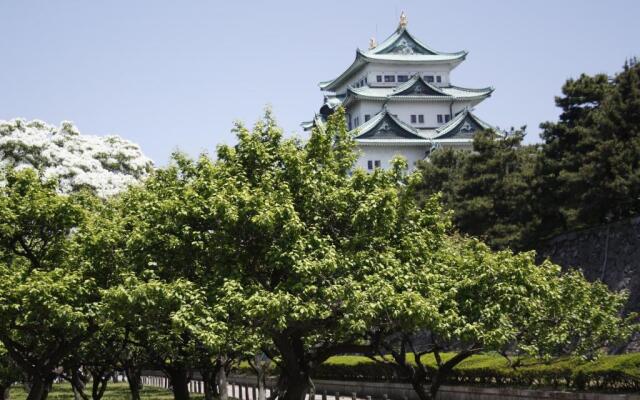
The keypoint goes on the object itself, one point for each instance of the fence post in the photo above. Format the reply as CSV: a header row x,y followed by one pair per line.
x,y
353,396
312,393
337,396
324,395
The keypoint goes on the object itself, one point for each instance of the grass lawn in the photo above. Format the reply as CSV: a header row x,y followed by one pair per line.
x,y
115,391
627,363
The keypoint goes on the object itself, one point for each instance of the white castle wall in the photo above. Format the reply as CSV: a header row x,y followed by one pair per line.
x,y
429,110
372,70
386,153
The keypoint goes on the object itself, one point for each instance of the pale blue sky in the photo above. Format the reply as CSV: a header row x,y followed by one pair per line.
x,y
176,74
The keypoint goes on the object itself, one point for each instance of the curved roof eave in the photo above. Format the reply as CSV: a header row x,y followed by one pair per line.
x,y
363,58
355,65
449,58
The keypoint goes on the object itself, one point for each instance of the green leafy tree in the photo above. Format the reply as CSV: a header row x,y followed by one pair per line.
x,y
48,296
171,229
96,361
470,299
308,241
161,318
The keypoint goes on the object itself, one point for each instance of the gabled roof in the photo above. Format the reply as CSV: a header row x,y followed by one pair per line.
x,y
401,46
402,42
385,126
417,86
462,126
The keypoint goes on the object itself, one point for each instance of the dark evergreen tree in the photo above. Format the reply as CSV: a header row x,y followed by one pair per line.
x,y
590,165
586,173
489,189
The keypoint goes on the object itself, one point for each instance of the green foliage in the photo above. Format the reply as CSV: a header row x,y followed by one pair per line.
x,y
314,248
280,247
48,292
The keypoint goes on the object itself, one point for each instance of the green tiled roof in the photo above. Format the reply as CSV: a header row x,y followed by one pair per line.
x,y
418,89
401,46
462,126
459,130
403,43
385,126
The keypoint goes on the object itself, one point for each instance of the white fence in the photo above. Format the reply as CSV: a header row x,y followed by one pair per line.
x,y
245,388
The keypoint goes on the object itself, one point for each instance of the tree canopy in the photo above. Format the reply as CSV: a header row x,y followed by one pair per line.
x,y
279,247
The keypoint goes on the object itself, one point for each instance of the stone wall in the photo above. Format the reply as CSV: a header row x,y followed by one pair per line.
x,y
610,253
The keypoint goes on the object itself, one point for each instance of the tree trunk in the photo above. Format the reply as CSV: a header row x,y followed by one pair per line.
x,y
421,391
39,389
295,376
134,380
222,384
179,383
78,384
5,392
262,391
208,379
296,387
100,382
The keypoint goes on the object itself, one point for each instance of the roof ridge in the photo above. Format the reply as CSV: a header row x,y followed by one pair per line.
x,y
418,78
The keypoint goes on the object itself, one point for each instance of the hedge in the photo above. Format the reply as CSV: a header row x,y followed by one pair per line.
x,y
607,373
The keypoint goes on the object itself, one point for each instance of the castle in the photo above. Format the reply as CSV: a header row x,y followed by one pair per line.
x,y
399,100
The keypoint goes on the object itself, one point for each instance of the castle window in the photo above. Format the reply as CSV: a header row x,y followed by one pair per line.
x,y
377,163
389,78
447,118
367,117
378,78
421,119
439,79
428,78
369,164
440,118
414,118
403,78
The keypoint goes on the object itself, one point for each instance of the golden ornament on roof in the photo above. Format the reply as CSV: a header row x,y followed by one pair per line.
x,y
372,43
403,20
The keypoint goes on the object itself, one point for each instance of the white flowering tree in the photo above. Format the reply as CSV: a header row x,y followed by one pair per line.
x,y
106,164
